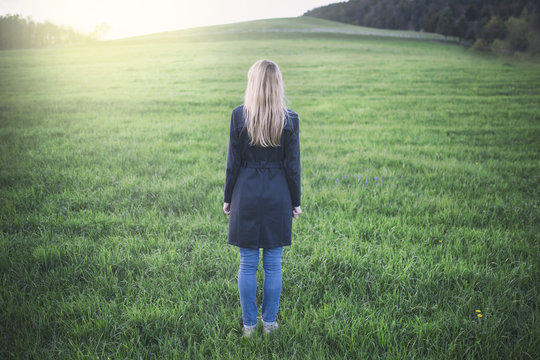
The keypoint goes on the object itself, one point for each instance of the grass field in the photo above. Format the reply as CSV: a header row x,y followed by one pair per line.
x,y
420,175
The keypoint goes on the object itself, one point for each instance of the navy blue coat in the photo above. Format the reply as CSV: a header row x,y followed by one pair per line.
x,y
262,184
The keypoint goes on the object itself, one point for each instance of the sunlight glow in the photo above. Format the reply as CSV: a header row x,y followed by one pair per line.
x,y
137,17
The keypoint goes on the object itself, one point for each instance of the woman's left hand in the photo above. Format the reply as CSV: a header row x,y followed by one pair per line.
x,y
227,208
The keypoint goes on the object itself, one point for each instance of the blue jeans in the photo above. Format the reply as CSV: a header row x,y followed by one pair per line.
x,y
247,284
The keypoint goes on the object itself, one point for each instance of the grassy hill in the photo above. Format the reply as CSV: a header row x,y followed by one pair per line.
x,y
420,192
287,27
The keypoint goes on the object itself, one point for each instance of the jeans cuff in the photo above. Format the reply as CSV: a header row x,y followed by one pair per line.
x,y
250,326
268,323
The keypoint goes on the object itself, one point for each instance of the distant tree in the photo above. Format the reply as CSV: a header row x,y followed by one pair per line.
x,y
446,22
17,32
481,45
100,31
430,20
461,28
494,29
485,14
517,33
471,13
535,21
49,33
532,18
501,47
533,42
417,11
473,30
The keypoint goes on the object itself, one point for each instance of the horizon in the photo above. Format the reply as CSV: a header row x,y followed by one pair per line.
x,y
127,18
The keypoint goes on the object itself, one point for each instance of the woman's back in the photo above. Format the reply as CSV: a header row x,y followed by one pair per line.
x,y
262,184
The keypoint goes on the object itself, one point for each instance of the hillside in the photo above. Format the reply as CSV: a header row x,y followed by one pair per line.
x,y
281,27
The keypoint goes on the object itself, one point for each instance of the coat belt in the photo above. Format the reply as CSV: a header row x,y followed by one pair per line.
x,y
263,164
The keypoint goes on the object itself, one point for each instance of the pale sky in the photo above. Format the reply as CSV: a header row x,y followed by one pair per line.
x,y
137,17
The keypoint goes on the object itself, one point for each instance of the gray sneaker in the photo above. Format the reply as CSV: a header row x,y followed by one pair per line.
x,y
248,331
270,328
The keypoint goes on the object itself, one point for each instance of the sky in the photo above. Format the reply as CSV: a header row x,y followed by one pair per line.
x,y
137,17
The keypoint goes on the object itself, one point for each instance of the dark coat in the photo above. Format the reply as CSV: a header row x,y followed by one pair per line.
x,y
262,184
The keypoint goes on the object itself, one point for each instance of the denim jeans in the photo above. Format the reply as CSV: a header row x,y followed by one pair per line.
x,y
247,284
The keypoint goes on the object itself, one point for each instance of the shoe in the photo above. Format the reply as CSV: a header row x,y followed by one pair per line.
x,y
267,329
248,331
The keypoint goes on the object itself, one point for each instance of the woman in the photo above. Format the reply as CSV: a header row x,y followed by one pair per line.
x,y
262,189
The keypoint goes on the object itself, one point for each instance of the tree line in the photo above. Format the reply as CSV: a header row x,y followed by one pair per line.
x,y
17,32
504,26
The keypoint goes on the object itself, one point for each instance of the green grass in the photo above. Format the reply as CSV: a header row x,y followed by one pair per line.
x,y
113,243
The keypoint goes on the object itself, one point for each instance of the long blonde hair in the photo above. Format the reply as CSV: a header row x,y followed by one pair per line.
x,y
264,104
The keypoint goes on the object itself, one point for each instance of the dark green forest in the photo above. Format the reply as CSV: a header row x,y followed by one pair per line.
x,y
17,32
501,26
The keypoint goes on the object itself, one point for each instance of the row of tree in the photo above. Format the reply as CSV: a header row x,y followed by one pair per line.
x,y
17,32
501,25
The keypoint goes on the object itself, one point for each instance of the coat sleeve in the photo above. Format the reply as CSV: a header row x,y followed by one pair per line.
x,y
233,162
292,163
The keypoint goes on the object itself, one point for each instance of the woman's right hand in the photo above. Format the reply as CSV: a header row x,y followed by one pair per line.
x,y
296,211
227,208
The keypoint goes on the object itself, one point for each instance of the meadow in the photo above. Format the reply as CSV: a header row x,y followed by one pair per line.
x,y
420,192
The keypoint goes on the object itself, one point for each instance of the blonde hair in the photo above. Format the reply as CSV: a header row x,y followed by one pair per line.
x,y
264,104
